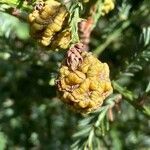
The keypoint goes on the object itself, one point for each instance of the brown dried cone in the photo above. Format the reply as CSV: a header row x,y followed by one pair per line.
x,y
46,20
83,81
85,29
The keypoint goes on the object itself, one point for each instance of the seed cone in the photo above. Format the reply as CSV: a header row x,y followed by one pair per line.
x,y
47,20
62,39
84,88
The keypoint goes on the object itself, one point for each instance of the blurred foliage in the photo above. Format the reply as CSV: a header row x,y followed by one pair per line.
x,y
31,115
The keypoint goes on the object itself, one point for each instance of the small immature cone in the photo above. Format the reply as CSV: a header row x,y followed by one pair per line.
x,y
46,20
85,85
108,5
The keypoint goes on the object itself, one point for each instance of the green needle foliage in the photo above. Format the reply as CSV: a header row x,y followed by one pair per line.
x,y
31,114
74,19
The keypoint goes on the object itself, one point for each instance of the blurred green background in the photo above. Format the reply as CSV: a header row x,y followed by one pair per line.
x,y
31,114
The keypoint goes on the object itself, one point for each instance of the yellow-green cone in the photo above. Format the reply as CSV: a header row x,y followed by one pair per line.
x,y
85,88
46,21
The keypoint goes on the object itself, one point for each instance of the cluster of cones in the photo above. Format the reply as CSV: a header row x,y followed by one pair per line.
x,y
83,81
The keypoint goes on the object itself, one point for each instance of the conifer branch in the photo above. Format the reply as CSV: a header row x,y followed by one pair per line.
x,y
133,67
93,126
132,99
111,37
